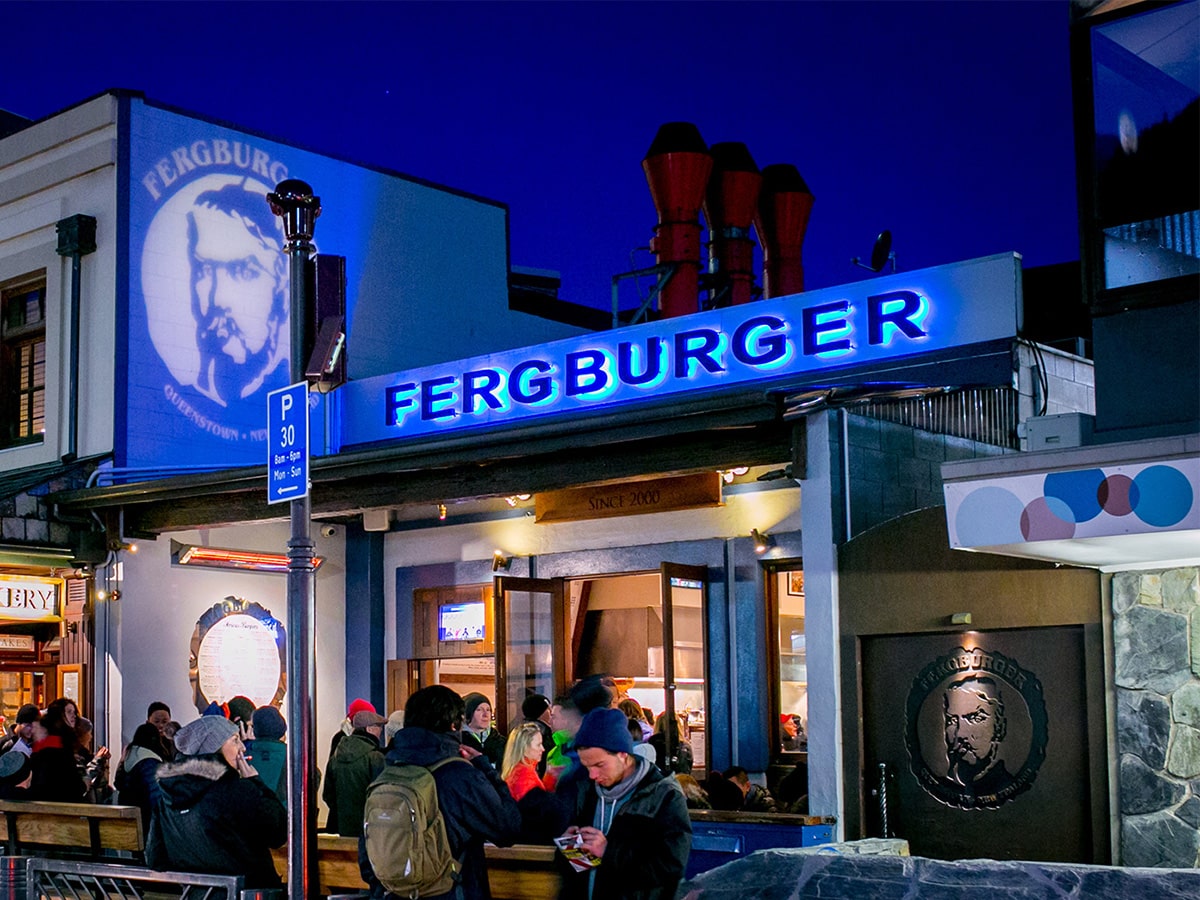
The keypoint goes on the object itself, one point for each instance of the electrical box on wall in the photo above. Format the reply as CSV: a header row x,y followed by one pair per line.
x,y
1063,430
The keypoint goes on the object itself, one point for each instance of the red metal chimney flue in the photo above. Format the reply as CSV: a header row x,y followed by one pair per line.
x,y
783,209
729,206
677,167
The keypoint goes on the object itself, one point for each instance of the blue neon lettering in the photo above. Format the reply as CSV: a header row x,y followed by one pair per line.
x,y
432,398
585,373
904,319
813,327
481,384
396,404
700,346
773,348
655,368
538,389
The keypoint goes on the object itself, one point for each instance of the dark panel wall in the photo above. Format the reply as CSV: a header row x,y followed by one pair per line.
x,y
1148,372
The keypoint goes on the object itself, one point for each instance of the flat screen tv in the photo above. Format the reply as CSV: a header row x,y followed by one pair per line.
x,y
460,622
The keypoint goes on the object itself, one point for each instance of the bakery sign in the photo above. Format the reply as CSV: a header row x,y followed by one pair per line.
x,y
31,599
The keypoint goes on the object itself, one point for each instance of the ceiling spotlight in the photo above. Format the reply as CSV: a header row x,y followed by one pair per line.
x,y
762,541
727,475
517,498
120,546
442,512
500,562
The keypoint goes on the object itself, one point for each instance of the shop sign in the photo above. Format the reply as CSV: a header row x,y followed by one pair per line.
x,y
630,498
21,642
31,599
782,341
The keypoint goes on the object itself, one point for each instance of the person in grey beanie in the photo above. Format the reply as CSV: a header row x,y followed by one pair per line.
x,y
213,813
628,814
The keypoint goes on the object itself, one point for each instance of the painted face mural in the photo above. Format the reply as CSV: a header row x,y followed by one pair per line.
x,y
235,307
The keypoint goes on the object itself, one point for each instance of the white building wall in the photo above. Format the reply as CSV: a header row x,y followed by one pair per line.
x,y
150,627
57,168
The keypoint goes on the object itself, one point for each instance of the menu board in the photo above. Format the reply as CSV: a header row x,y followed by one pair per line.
x,y
238,649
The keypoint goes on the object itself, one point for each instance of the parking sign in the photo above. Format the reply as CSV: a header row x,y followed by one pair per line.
x,y
287,443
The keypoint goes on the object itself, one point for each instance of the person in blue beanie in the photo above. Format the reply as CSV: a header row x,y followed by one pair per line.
x,y
628,814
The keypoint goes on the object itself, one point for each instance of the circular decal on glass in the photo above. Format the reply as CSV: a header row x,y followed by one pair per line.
x,y
975,728
237,649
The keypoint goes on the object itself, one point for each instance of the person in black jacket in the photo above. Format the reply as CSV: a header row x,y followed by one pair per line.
x,y
628,814
55,774
475,803
213,814
135,779
352,768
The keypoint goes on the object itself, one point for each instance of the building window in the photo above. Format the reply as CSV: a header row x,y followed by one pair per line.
x,y
793,666
1146,99
23,372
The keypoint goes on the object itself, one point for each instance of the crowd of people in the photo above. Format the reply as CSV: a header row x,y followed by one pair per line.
x,y
590,769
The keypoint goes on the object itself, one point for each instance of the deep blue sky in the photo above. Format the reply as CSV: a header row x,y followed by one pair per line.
x,y
947,122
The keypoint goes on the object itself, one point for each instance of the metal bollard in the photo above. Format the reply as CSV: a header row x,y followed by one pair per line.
x,y
14,875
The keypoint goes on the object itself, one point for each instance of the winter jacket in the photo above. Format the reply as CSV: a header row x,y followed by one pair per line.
x,y
136,784
680,763
209,819
492,746
475,804
353,767
648,842
523,779
55,776
270,759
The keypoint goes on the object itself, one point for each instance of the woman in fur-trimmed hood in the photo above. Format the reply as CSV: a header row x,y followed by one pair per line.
x,y
213,813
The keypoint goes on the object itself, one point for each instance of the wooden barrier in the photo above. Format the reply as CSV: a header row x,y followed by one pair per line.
x,y
82,828
514,873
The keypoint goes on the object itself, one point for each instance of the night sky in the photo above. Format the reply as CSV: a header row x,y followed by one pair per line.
x,y
948,123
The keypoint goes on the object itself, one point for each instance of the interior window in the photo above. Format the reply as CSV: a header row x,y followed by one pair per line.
x,y
793,671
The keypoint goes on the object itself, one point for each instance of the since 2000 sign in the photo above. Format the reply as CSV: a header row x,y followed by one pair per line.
x,y
287,443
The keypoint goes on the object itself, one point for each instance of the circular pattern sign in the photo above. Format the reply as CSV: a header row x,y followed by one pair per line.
x,y
237,649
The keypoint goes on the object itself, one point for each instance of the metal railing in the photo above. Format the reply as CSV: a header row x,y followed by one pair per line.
x,y
57,879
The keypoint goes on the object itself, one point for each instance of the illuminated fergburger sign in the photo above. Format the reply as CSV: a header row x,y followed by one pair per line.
x,y
31,599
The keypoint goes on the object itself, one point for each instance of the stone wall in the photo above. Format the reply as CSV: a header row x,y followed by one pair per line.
x,y
1156,638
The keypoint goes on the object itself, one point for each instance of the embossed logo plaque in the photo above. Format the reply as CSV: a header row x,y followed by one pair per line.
x,y
976,728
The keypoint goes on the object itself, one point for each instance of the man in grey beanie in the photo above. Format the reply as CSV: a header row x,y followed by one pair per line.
x,y
213,813
628,814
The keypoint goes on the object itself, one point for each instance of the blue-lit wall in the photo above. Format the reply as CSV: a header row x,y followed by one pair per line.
x,y
206,331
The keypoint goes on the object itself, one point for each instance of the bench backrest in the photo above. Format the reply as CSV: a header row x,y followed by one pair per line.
x,y
86,827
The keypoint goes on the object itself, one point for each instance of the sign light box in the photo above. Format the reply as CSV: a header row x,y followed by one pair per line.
x,y
771,341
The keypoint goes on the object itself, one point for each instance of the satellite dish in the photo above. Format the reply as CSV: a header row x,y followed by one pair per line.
x,y
880,253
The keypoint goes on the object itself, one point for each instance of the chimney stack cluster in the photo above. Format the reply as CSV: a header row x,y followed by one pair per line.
x,y
686,176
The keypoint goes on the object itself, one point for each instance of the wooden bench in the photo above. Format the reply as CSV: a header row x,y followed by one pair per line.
x,y
83,829
514,873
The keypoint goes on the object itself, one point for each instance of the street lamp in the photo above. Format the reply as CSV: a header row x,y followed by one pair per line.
x,y
294,201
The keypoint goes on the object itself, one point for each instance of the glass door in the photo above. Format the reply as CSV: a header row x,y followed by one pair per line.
x,y
685,686
530,642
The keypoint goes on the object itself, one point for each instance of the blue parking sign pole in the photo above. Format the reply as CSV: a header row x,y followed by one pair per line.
x,y
287,443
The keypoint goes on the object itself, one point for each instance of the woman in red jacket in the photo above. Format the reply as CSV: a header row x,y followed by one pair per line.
x,y
521,758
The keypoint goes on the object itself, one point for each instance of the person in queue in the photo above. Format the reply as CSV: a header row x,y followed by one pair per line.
x,y
93,766
521,757
562,760
352,768
474,801
55,774
536,709
480,731
20,738
15,775
136,780
270,751
213,814
628,814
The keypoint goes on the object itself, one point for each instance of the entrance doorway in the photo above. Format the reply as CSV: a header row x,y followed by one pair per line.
x,y
646,629
973,742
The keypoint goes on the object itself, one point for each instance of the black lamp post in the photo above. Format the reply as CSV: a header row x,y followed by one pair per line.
x,y
294,201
